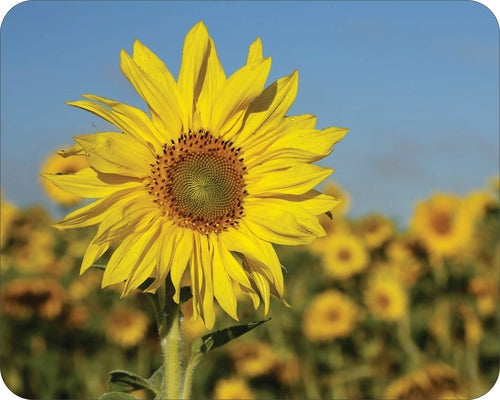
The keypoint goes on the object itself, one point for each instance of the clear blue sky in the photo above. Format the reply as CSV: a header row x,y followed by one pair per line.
x,y
416,83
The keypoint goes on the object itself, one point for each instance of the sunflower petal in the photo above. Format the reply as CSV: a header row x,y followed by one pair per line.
x,y
116,153
223,288
297,179
87,183
235,96
282,222
191,74
266,112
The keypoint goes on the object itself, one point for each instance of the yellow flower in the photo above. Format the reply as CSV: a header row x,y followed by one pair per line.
x,y
431,381
442,225
233,388
403,262
386,297
252,358
375,230
29,297
209,179
344,255
126,326
330,315
55,164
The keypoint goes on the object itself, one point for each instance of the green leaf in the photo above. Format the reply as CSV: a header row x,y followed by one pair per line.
x,y
156,380
117,396
125,381
219,338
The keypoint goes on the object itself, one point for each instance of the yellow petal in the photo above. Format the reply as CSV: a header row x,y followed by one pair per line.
x,y
255,51
116,153
266,112
128,119
313,201
129,254
233,267
235,96
90,184
297,179
191,75
280,221
93,252
223,288
75,150
243,241
275,160
95,212
159,74
214,79
313,140
183,249
160,105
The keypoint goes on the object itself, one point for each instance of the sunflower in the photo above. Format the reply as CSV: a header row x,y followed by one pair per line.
x,y
8,215
330,315
208,179
126,326
375,230
344,255
233,388
253,358
386,297
33,297
431,381
443,225
55,164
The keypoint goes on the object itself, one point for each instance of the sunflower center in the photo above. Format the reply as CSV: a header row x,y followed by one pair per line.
x,y
198,182
441,223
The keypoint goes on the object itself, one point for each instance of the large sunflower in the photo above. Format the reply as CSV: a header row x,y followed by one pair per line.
x,y
203,183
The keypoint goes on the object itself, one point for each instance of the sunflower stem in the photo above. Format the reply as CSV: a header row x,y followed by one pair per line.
x,y
171,344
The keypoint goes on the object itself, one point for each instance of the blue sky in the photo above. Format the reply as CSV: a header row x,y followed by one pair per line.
x,y
416,83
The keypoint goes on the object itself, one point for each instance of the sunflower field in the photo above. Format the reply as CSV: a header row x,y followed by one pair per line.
x,y
373,310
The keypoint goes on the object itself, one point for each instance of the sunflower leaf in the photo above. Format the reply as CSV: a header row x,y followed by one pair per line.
x,y
125,381
219,338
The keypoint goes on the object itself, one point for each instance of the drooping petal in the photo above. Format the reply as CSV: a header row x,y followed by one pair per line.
x,y
297,179
116,153
223,288
184,248
88,183
95,212
128,119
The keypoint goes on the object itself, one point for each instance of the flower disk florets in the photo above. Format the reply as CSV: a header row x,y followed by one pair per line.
x,y
198,181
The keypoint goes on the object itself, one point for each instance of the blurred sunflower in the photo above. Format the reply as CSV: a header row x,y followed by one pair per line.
x,y
442,225
32,297
252,358
215,176
431,381
330,315
385,296
126,326
55,164
375,230
403,262
233,388
472,326
344,255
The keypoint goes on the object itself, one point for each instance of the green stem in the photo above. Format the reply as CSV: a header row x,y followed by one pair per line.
x,y
406,341
188,376
171,345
